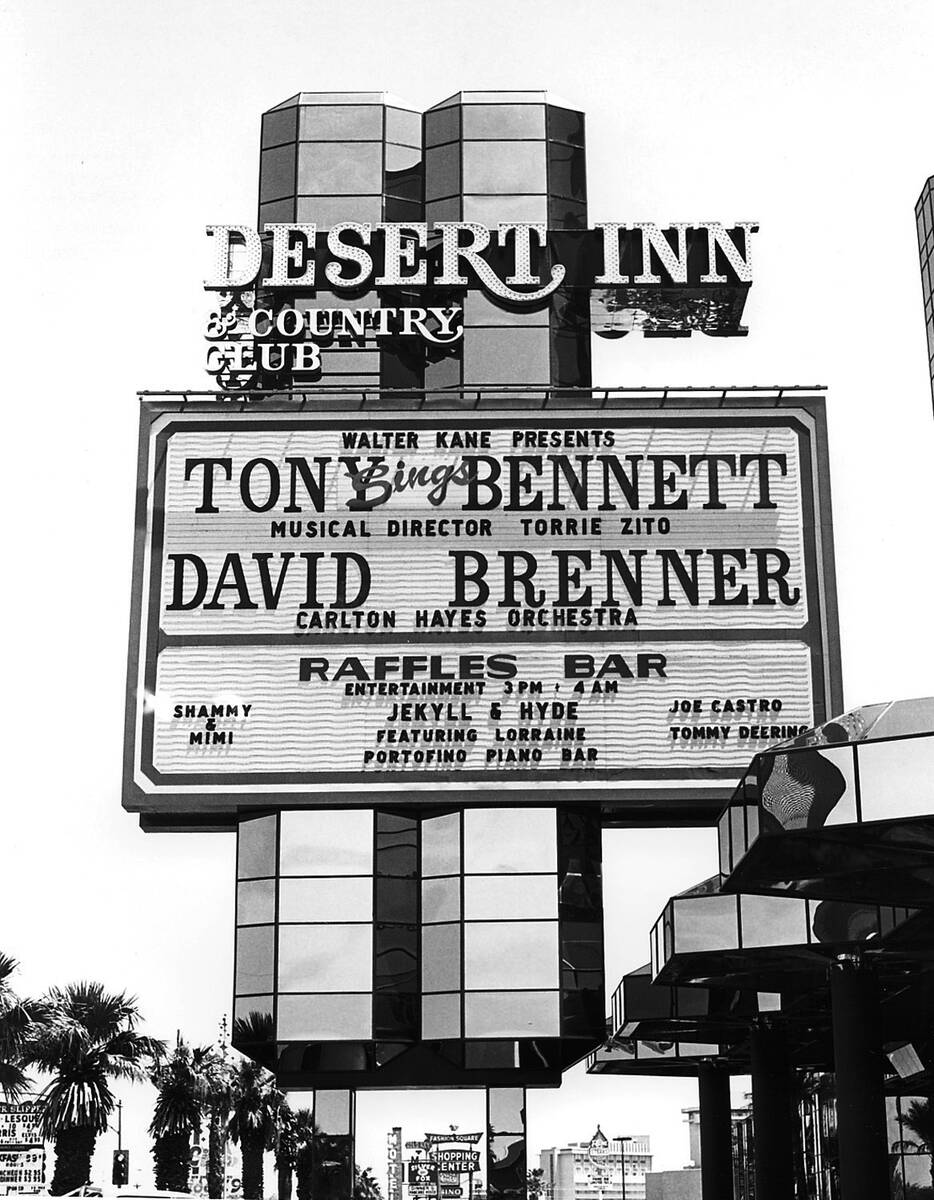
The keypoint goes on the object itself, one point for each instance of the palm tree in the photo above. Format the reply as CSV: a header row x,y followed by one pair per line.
x,y
87,1039
218,1077
920,1120
182,1090
18,1020
286,1149
253,1121
306,1131
365,1186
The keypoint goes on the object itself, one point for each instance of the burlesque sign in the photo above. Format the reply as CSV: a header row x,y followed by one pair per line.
x,y
347,606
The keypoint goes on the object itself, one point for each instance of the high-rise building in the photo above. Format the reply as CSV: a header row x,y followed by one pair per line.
x,y
592,1170
924,216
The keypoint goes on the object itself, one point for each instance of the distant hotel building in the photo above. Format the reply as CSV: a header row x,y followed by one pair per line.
x,y
924,215
575,1172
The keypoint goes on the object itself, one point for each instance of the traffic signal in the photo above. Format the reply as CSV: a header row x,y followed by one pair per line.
x,y
121,1169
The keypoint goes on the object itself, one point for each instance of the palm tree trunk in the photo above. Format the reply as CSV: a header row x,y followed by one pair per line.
x,y
217,1152
172,1153
285,1180
303,1174
252,1148
73,1151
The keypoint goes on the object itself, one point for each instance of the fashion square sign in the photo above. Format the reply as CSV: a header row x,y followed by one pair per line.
x,y
593,605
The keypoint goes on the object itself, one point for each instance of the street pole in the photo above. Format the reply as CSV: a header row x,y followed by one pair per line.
x,y
119,1125
622,1164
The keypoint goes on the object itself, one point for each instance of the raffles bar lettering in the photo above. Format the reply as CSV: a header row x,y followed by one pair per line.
x,y
522,264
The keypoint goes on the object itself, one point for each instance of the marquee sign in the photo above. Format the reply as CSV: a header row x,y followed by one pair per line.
x,y
593,605
22,1151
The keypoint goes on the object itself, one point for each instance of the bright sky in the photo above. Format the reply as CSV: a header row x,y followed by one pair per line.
x,y
132,125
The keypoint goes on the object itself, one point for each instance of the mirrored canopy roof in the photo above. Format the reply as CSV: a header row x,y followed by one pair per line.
x,y
844,811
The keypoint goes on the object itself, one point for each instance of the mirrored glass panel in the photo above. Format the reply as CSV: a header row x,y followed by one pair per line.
x,y
441,958
397,900
901,717
565,125
256,848
444,373
328,211
277,173
325,958
504,121
442,171
278,210
441,1016
507,356
834,922
506,1110
340,168
442,125
567,172
773,921
256,902
723,842
738,832
480,309
340,361
333,1111
279,127
896,779
253,1015
324,1018
441,210
324,842
510,840
441,900
707,923
326,299
326,899
403,126
566,214
403,158
254,960
504,167
441,845
802,789
341,123
518,897
490,210
522,954
511,1014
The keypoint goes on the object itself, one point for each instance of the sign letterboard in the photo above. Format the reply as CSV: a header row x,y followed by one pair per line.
x,y
600,605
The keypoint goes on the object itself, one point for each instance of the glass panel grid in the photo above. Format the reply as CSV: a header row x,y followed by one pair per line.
x,y
323,842
706,923
510,841
256,847
524,953
895,778
325,958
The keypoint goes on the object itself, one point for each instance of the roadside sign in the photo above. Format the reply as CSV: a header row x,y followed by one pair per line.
x,y
422,1173
458,1160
